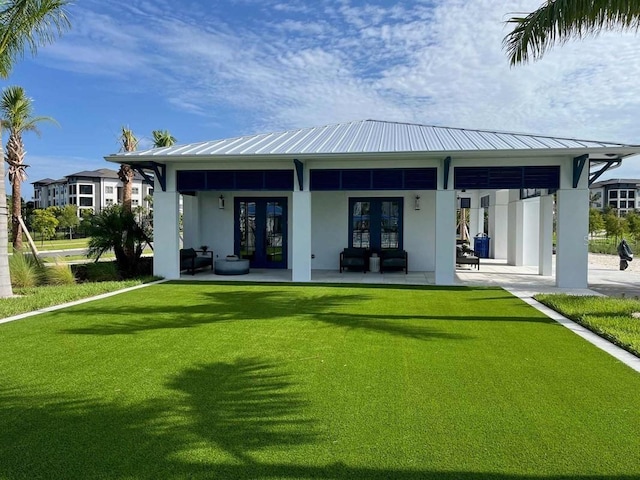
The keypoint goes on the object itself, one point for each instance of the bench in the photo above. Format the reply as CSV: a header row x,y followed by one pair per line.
x,y
191,261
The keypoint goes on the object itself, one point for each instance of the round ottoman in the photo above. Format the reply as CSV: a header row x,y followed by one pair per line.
x,y
231,267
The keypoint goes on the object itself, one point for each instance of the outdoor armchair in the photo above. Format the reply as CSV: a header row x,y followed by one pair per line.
x,y
191,261
352,257
394,259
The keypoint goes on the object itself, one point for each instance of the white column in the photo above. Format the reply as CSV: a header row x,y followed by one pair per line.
x,y
572,229
191,221
515,233
166,238
301,231
499,223
545,242
530,231
445,206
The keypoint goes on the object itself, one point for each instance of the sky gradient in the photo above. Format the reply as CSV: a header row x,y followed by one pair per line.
x,y
219,69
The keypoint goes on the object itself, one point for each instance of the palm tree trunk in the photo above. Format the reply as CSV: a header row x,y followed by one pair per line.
x,y
126,175
16,192
5,276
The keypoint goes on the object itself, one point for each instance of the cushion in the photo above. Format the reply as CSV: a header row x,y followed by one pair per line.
x,y
393,254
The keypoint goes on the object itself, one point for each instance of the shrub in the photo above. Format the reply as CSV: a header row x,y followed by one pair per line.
x,y
102,272
60,274
24,270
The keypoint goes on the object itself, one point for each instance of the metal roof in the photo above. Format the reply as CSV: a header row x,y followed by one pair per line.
x,y
616,181
371,137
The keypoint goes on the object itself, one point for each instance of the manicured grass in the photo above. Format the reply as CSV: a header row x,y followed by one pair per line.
x,y
609,317
35,298
60,244
197,380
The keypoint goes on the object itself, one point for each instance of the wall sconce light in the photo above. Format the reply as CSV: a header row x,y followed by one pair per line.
x,y
416,204
221,202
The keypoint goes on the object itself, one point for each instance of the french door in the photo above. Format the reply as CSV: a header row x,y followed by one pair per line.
x,y
375,223
261,231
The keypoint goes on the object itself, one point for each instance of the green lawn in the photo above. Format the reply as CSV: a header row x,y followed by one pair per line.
x,y
198,380
610,317
59,244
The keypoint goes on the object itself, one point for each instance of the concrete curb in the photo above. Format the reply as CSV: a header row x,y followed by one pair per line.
x,y
618,353
77,302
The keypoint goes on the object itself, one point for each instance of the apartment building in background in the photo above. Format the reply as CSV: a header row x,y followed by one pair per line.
x,y
89,190
622,195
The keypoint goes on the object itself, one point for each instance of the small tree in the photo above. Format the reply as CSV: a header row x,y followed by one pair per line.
x,y
596,223
67,218
613,224
85,222
633,225
44,222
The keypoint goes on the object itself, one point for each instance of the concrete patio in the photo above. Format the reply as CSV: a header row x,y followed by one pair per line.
x,y
603,279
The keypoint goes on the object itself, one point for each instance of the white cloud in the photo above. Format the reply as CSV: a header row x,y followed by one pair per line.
x,y
294,64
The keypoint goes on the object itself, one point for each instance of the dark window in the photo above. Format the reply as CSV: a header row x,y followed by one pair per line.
x,y
374,179
465,202
622,204
613,194
484,201
86,189
623,194
86,202
218,180
506,177
202,180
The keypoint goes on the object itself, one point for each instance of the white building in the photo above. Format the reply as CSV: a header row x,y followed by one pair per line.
x,y
90,190
623,195
295,199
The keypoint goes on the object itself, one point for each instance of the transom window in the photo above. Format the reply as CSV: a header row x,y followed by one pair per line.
x,y
375,223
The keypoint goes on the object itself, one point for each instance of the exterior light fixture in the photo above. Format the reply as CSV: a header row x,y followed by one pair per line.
x,y
416,204
221,202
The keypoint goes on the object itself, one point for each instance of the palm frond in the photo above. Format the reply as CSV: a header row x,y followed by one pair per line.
x,y
17,111
28,24
162,138
558,21
128,140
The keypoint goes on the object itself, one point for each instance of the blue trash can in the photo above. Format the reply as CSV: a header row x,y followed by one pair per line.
x,y
481,245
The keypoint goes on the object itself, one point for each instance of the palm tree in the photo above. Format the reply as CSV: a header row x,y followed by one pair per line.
x,y
557,21
162,138
24,24
17,118
117,230
126,173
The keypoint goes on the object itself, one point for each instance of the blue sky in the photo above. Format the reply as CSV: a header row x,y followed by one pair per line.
x,y
206,69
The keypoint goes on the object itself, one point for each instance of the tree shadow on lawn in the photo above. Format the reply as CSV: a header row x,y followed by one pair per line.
x,y
221,416
229,306
227,410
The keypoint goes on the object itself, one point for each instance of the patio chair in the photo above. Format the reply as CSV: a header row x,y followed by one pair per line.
x,y
191,261
354,257
466,256
394,259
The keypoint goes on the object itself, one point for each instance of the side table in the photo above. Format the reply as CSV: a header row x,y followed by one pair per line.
x,y
374,264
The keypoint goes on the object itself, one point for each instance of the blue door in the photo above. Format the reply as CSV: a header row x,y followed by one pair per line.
x,y
261,231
